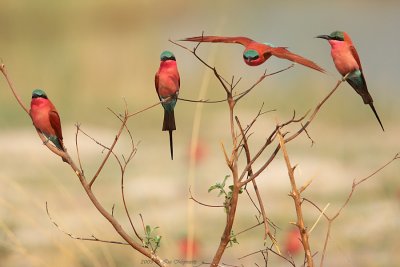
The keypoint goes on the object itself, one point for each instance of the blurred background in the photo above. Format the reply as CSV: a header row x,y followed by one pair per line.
x,y
90,55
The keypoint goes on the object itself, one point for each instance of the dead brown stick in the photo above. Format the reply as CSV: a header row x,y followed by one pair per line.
x,y
267,231
295,194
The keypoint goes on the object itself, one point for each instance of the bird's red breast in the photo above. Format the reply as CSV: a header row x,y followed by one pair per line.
x,y
167,80
45,117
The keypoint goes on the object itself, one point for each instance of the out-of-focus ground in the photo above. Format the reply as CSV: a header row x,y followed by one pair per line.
x,y
92,55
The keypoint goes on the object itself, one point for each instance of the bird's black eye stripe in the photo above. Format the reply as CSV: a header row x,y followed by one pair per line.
x,y
168,58
337,38
251,57
37,96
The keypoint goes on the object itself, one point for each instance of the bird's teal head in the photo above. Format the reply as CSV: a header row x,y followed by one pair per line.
x,y
167,55
38,93
336,35
250,55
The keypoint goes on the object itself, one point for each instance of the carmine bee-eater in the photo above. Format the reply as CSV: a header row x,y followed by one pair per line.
x,y
167,82
45,118
346,60
257,53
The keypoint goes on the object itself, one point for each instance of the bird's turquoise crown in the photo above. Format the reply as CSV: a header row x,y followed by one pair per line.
x,y
251,54
337,35
38,93
167,55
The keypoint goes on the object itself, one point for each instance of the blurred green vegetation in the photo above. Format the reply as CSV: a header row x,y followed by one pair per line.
x,y
90,55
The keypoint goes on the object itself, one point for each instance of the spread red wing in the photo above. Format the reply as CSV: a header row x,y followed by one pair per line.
x,y
220,39
282,52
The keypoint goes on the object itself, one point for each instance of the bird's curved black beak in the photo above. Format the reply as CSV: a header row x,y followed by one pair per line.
x,y
324,36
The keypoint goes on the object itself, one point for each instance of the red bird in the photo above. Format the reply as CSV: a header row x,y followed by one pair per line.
x,y
293,244
347,62
257,53
45,118
167,83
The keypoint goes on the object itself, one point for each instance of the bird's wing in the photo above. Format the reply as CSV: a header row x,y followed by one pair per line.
x,y
282,52
355,55
55,123
220,39
156,80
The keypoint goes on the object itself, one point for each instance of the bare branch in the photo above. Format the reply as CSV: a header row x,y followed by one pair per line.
x,y
205,101
203,204
267,231
11,85
271,250
221,79
316,110
110,150
93,238
147,108
77,147
241,95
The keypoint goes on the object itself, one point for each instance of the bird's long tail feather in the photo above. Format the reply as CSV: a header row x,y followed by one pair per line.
x,y
171,145
376,115
169,125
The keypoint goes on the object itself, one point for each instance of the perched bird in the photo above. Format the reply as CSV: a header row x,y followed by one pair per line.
x,y
167,82
293,245
257,53
346,60
45,118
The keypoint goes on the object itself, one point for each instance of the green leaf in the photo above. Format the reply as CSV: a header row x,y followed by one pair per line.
x,y
157,240
212,188
148,230
223,183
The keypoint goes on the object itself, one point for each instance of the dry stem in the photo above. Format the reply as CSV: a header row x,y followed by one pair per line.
x,y
295,194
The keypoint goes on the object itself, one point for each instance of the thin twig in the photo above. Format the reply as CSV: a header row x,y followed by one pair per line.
x,y
77,147
205,101
222,80
319,218
318,107
11,85
265,75
272,136
267,231
110,150
271,250
147,108
93,238
203,204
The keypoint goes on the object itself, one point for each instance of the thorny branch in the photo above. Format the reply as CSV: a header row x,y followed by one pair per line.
x,y
353,188
232,160
288,139
295,194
